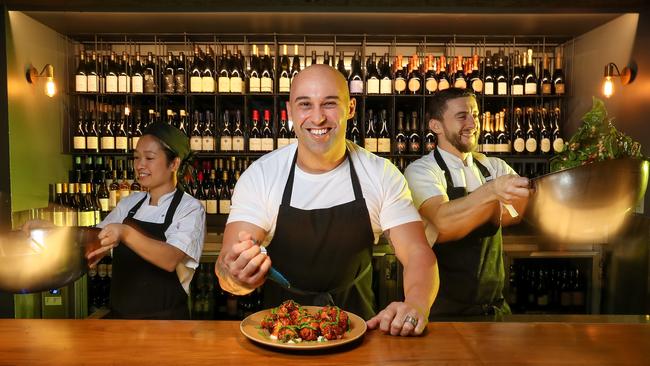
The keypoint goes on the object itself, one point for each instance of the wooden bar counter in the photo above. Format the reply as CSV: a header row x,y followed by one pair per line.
x,y
119,342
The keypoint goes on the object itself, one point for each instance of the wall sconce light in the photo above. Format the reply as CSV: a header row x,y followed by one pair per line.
x,y
627,75
48,73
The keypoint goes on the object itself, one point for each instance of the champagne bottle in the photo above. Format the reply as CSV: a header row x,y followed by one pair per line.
x,y
108,136
238,134
211,199
266,82
225,196
370,141
558,142
79,135
414,78
168,75
81,75
383,139
489,74
430,141
237,74
121,137
354,134
179,74
558,75
283,133
501,78
400,77
430,78
224,72
415,141
207,74
531,133
460,79
196,84
295,64
356,76
150,75
137,75
443,78
400,136
196,140
530,80
123,76
340,65
545,135
226,135
207,141
386,82
284,74
372,76
519,143
475,77
254,81
517,83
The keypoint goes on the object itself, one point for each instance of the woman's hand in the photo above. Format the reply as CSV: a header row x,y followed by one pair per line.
x,y
109,237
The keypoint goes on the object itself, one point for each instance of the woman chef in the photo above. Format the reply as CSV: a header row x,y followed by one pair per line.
x,y
156,236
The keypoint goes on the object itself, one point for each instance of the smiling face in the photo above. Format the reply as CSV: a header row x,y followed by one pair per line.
x,y
319,106
152,166
459,128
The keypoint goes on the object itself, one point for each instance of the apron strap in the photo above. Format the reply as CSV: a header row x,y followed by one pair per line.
x,y
441,163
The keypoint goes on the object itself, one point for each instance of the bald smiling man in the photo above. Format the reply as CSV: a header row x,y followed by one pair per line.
x,y
318,207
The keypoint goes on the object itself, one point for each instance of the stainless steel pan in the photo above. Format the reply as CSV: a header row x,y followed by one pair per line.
x,y
47,258
587,204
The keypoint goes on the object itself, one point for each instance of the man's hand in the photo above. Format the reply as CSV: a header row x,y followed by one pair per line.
x,y
509,188
245,263
394,320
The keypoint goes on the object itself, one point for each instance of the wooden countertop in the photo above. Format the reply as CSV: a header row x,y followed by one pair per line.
x,y
119,342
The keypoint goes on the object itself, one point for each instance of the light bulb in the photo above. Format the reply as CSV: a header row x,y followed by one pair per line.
x,y
608,87
50,87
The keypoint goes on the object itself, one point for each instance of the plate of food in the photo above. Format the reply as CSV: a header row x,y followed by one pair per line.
x,y
291,326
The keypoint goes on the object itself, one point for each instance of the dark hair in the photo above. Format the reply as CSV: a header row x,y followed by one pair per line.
x,y
437,104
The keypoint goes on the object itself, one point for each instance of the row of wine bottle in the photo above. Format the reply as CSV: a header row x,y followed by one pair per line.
x,y
498,74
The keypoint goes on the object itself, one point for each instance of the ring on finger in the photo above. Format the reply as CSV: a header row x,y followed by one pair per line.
x,y
412,320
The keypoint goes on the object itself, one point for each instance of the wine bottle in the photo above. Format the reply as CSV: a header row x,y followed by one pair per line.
x,y
386,81
125,186
443,78
93,74
475,77
430,79
196,83
517,82
545,81
370,140
488,137
383,138
400,77
136,132
501,77
530,80
92,134
211,199
254,81
502,143
326,58
255,136
283,133
85,210
558,142
340,65
295,65
284,75
558,75
225,142
207,74
111,75
414,78
123,74
101,73
238,134
179,74
207,141
150,75
531,132
267,133
545,135
79,135
137,75
430,141
224,195
108,136
489,75
460,79
81,75
224,71
400,136
168,74
354,134
113,191
519,143
266,82
415,141
196,140
314,60
356,76
292,134
121,137
182,122
372,75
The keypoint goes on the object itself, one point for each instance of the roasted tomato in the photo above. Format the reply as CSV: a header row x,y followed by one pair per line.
x,y
287,333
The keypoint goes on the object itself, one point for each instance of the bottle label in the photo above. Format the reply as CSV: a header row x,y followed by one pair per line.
x,y
531,145
443,84
545,145
79,142
489,88
385,86
226,143
224,84
91,142
285,85
559,89
370,144
236,84
136,84
516,89
477,85
224,207
400,85
502,148
58,218
121,143
254,84
558,145
238,143
179,80
489,148
108,143
111,84
149,84
383,145
373,86
267,144
195,84
123,84
196,143
266,85
211,206
282,142
546,89
431,85
112,199
207,84
104,204
460,83
400,147
519,144
255,144
81,83
531,89
70,218
93,83
356,86
414,85
502,88
169,83
207,143
134,142
86,218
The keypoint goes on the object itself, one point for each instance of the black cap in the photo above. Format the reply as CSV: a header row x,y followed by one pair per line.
x,y
171,136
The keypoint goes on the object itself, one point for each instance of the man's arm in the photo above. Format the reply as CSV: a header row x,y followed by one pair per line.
x,y
241,267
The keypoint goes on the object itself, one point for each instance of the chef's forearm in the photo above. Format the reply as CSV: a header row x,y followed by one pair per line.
x,y
421,280
156,252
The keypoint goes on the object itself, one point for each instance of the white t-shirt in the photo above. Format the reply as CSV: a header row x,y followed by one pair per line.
x,y
186,232
426,179
258,193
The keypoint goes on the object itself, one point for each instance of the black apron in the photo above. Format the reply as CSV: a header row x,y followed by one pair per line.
x,y
139,289
326,254
471,269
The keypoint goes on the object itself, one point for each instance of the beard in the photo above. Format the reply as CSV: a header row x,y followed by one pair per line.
x,y
456,140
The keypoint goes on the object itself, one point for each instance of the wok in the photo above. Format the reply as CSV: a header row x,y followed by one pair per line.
x,y
589,203
47,258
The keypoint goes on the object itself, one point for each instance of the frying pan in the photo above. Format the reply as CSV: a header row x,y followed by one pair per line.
x,y
589,203
47,258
